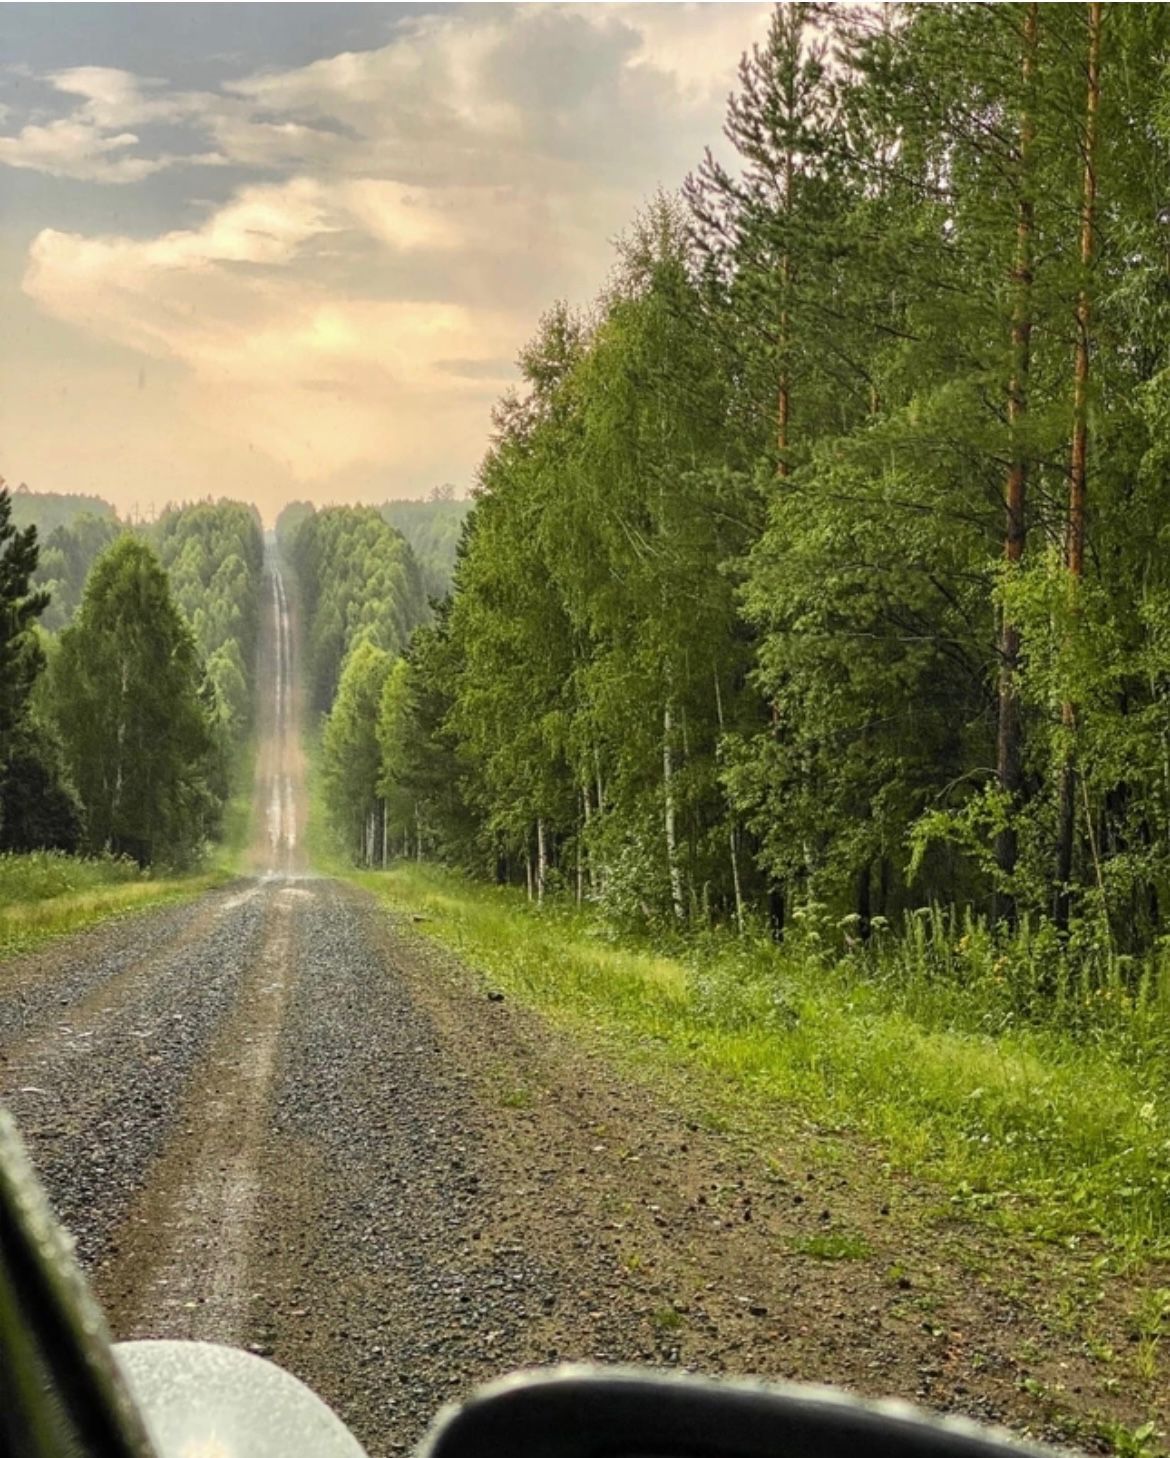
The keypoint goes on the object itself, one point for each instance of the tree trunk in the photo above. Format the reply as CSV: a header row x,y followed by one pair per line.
x,y
776,911
784,393
676,893
864,883
541,860
587,814
385,834
1078,460
1008,745
732,827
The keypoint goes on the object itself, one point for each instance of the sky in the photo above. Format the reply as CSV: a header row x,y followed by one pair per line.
x,y
288,251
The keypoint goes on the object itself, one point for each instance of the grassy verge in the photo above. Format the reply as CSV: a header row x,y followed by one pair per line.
x,y
1065,1137
237,814
44,895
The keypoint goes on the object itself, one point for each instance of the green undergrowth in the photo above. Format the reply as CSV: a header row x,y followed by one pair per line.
x,y
321,844
1064,1135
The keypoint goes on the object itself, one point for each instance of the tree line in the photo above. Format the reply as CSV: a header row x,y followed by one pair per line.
x,y
118,730
821,563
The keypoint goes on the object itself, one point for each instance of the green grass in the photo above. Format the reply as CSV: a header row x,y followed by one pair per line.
x,y
46,895
833,1245
1063,1135
44,875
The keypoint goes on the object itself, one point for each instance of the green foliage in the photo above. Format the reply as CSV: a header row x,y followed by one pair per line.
x,y
833,1245
359,581
47,895
767,609
731,625
124,698
39,875
350,752
1046,1125
36,809
213,553
21,605
433,528
69,551
292,517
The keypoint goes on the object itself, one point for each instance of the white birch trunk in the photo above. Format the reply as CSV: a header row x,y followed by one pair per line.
x,y
581,848
541,860
676,894
585,864
733,832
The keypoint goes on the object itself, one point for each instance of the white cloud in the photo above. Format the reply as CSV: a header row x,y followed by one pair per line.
x,y
272,355
77,149
96,141
430,198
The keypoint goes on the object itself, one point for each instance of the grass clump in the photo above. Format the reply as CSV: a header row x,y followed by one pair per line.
x,y
1062,1130
833,1245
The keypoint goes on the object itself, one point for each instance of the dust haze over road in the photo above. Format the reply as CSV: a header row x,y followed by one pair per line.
x,y
280,769
276,1117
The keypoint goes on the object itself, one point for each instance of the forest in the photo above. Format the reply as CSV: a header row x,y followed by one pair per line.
x,y
126,656
816,575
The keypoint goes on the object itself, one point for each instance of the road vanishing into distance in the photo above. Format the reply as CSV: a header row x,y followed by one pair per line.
x,y
278,1117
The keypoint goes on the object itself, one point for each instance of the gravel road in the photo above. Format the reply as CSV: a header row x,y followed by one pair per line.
x,y
277,1117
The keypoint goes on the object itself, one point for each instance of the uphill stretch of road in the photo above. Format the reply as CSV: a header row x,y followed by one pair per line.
x,y
274,1117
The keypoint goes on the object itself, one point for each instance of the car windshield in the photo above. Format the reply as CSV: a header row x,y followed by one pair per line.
x,y
585,703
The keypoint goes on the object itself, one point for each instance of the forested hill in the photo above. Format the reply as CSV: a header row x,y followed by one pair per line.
x,y
213,553
48,510
433,528
120,725
819,570
359,583
363,596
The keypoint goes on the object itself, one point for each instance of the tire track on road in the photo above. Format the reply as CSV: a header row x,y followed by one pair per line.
x,y
184,1248
97,1103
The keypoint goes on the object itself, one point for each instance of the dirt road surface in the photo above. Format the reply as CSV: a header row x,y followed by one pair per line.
x,y
277,1118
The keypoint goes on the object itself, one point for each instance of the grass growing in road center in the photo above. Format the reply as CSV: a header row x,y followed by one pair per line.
x,y
1064,1137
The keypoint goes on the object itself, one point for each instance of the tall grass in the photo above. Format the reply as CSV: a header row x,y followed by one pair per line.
x,y
932,1043
45,894
41,875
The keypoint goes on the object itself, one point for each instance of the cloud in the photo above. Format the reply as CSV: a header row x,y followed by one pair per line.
x,y
401,217
76,149
96,141
321,378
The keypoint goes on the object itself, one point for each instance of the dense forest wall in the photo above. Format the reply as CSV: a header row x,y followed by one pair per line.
x,y
818,570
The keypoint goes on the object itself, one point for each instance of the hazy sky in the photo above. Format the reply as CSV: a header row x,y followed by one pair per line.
x,y
285,250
